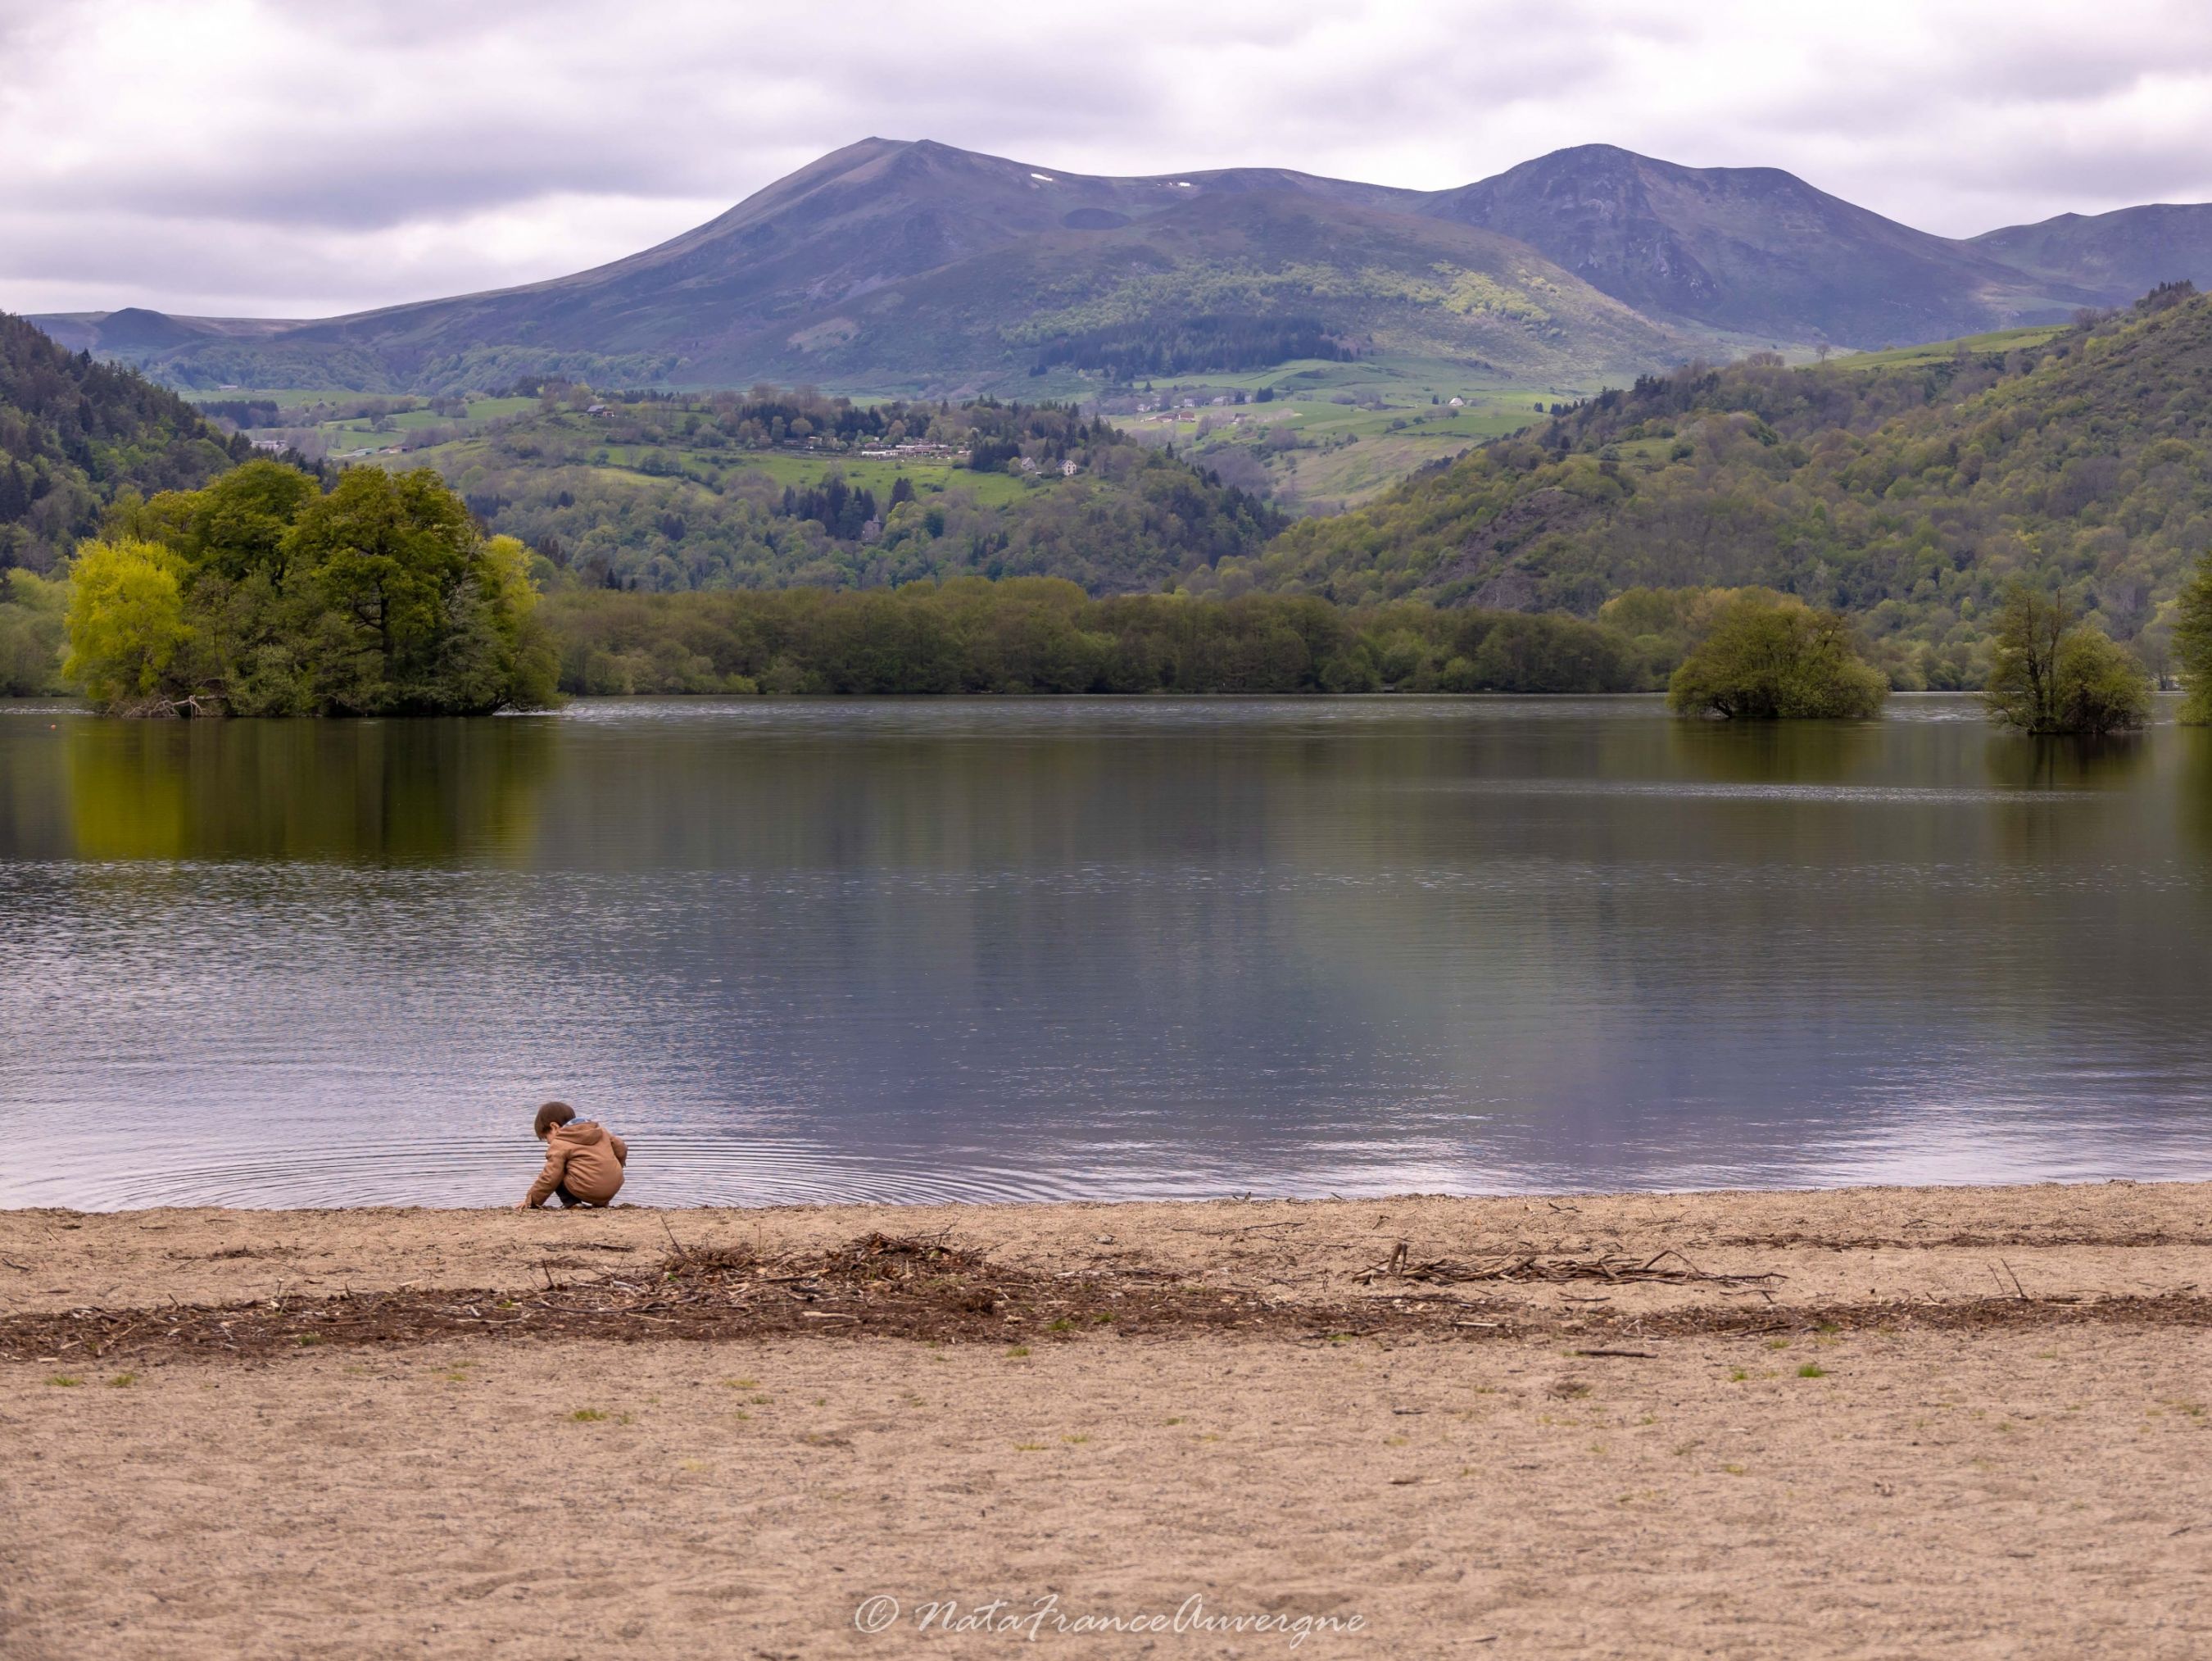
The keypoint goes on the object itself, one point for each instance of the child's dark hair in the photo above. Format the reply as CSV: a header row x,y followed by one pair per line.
x,y
552,1114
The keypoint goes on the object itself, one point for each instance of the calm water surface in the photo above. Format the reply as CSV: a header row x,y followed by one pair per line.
x,y
926,950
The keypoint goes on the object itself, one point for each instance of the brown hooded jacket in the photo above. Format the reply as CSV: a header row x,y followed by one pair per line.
x,y
583,1159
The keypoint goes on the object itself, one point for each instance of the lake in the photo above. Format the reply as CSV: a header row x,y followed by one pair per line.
x,y
934,949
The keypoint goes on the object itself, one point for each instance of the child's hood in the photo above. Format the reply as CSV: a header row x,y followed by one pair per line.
x,y
581,1133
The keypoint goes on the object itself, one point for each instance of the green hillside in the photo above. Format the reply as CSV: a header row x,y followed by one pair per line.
x,y
767,491
1906,494
776,489
73,435
73,432
1321,436
1997,341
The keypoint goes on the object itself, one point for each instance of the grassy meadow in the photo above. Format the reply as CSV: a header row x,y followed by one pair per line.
x,y
497,430
1336,434
1996,342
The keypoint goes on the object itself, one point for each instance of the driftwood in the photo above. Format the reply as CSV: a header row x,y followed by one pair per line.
x,y
197,707
1532,1267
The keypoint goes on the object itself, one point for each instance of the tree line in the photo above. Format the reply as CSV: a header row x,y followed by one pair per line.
x,y
266,594
1041,634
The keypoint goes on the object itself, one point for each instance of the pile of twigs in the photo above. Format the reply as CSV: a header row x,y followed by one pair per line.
x,y
876,1258
881,1285
879,1269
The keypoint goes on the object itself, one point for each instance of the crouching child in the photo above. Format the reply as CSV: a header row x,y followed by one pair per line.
x,y
584,1161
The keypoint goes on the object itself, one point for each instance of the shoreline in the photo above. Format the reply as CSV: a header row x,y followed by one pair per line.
x,y
1958,1422
1673,1255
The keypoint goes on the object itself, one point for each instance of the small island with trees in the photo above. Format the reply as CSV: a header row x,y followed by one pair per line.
x,y
2053,675
263,595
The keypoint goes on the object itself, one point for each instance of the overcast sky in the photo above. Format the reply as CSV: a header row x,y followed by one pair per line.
x,y
228,157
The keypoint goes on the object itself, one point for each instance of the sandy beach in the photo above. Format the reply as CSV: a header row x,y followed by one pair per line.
x,y
1881,1422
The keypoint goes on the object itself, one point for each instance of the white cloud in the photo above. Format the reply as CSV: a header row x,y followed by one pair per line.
x,y
281,159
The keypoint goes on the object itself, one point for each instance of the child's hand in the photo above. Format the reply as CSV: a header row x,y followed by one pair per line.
x,y
522,1205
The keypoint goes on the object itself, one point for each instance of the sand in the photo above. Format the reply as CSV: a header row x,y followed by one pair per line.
x,y
1959,1422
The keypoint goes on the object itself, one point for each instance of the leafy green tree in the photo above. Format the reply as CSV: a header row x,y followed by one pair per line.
x,y
1769,659
239,527
1351,672
127,628
2049,674
387,558
2192,644
2103,686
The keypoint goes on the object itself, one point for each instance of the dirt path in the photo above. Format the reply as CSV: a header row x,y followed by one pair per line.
x,y
1969,1422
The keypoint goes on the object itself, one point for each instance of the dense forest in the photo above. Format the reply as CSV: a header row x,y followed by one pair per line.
x,y
74,433
1910,497
1042,634
1126,352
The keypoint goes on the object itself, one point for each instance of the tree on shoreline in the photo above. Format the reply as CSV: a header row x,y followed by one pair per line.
x,y
1021,636
126,623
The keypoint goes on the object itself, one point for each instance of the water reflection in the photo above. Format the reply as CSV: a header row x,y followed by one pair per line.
x,y
901,951
2195,744
419,791
2018,761
1778,752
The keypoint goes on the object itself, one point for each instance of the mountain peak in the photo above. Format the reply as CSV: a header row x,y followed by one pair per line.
x,y
1753,250
1612,155
2120,255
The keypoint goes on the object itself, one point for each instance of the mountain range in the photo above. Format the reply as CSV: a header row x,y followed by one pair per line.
x,y
895,266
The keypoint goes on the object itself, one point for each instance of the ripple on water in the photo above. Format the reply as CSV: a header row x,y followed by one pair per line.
x,y
665,1169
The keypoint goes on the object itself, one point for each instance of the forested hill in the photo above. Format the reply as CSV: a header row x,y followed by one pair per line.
x,y
784,489
73,432
1907,494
